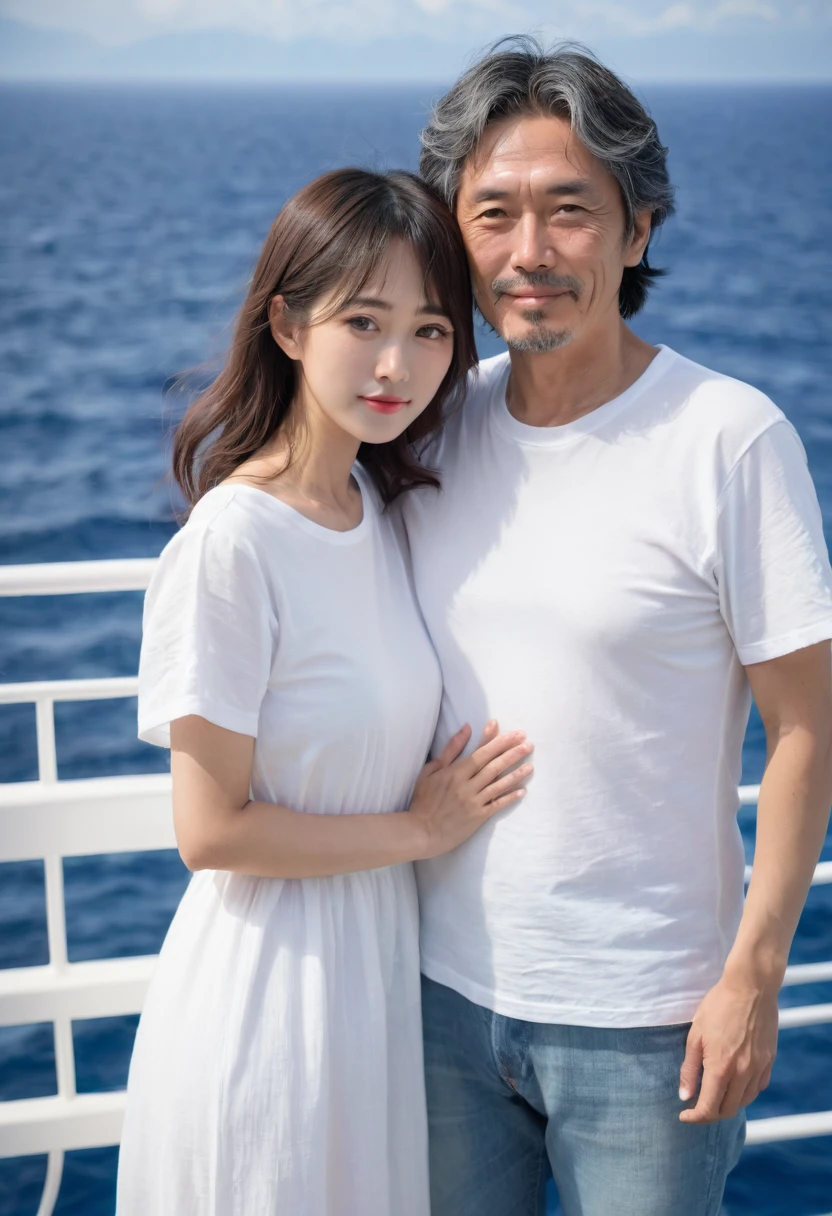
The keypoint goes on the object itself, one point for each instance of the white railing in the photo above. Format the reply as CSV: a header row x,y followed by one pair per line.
x,y
49,819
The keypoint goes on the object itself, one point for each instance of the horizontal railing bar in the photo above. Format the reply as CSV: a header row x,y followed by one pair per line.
x,y
821,876
112,987
100,689
42,1125
72,578
789,1127
94,815
33,798
101,988
807,973
749,794
805,1015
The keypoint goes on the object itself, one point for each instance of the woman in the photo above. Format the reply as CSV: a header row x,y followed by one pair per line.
x,y
277,1066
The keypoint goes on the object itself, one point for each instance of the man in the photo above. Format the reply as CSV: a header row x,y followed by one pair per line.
x,y
625,546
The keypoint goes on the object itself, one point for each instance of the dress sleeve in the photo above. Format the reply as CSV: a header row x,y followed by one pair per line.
x,y
208,636
775,583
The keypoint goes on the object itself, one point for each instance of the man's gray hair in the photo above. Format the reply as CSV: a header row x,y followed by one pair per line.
x,y
518,76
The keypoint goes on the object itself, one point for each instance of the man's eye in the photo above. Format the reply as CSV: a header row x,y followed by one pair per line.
x,y
493,213
362,324
568,209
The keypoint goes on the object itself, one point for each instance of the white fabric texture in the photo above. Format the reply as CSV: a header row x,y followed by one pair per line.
x,y
277,1068
601,585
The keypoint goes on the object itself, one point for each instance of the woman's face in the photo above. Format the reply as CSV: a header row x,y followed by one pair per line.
x,y
374,366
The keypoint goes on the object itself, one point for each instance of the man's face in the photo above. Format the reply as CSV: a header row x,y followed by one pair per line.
x,y
546,233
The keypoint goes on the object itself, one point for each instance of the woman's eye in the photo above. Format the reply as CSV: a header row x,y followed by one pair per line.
x,y
433,332
362,324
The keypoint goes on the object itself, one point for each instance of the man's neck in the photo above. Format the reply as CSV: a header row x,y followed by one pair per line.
x,y
558,387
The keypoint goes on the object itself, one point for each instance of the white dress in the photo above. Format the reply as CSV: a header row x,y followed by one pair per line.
x,y
277,1069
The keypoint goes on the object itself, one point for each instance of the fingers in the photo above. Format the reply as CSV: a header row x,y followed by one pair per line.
x,y
691,1069
455,746
499,804
765,1078
711,1095
733,1097
494,779
494,773
495,789
489,731
432,766
496,750
756,1087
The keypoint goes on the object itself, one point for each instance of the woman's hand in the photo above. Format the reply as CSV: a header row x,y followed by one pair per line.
x,y
453,796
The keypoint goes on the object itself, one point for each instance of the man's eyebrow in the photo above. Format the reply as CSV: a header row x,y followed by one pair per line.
x,y
577,185
429,309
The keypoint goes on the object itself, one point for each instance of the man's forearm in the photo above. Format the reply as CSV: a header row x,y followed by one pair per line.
x,y
792,819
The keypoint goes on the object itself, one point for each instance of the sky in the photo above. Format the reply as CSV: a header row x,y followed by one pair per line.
x,y
707,39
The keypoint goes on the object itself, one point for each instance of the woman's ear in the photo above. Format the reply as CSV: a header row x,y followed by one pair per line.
x,y
284,333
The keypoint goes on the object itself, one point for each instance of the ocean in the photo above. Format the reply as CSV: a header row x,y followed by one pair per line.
x,y
131,218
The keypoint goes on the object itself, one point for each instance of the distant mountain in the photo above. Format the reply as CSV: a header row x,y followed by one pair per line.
x,y
759,53
27,53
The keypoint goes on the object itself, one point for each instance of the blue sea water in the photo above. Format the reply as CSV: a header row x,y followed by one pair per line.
x,y
130,221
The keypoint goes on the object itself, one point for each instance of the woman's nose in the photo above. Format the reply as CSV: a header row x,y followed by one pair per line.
x,y
392,365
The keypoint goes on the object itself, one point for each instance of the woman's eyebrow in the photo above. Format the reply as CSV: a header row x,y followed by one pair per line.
x,y
368,302
431,308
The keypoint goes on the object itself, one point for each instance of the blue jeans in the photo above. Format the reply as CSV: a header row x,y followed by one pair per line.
x,y
601,1105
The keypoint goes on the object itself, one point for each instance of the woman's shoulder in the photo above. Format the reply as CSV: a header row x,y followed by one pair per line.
x,y
230,505
235,513
228,530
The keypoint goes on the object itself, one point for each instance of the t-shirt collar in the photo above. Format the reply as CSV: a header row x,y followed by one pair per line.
x,y
569,432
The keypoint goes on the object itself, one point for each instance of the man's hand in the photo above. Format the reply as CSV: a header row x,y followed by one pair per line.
x,y
731,1045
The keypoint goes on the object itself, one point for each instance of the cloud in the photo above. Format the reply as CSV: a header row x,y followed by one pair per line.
x,y
632,19
284,20
363,20
160,9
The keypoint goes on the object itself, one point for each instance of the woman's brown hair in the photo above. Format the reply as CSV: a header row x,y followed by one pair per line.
x,y
330,238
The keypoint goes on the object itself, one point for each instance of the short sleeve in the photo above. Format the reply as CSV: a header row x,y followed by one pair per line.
x,y
773,573
208,635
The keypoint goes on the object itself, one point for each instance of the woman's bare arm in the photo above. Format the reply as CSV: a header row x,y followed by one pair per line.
x,y
218,827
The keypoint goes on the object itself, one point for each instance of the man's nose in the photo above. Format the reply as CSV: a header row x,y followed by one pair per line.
x,y
392,364
533,248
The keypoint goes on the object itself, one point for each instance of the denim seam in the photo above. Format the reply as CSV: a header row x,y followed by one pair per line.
x,y
536,1188
497,1057
714,1132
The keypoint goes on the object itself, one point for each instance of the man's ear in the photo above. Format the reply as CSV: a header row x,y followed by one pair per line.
x,y
285,334
639,238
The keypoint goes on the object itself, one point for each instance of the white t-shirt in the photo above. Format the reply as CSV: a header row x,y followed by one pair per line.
x,y
601,585
268,624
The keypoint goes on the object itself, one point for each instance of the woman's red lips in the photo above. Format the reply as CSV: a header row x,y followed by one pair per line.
x,y
386,405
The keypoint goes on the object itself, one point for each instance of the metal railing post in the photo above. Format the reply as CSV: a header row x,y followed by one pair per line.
x,y
47,756
52,1183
